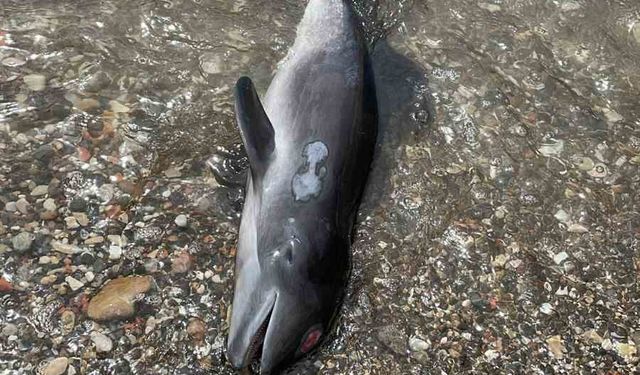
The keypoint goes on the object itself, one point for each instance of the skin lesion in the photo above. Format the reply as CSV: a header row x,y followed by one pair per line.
x,y
307,182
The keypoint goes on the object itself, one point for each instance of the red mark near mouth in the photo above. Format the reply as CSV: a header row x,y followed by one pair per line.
x,y
311,340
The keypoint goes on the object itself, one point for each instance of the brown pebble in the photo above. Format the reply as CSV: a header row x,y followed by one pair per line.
x,y
196,328
5,286
48,215
117,298
84,154
181,263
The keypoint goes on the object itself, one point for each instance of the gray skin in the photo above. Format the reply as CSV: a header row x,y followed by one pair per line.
x,y
309,150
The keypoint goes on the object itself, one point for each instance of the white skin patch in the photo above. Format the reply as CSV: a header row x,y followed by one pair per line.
x,y
307,182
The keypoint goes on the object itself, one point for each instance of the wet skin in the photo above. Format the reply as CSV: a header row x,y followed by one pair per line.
x,y
309,148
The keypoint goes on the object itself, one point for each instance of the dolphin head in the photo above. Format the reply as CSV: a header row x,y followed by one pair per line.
x,y
289,282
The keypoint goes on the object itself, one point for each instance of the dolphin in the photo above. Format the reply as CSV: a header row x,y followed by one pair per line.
x,y
309,147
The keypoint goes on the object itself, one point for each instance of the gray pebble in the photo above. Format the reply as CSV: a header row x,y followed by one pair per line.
x,y
22,241
50,204
40,190
23,206
9,330
11,207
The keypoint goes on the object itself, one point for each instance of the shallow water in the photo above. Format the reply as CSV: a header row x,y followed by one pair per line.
x,y
500,231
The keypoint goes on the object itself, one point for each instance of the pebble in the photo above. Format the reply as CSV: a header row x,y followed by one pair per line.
x,y
11,207
86,104
150,325
56,366
546,308
151,265
599,171
416,344
22,241
90,276
65,248
82,218
71,222
562,216
556,346
14,61
102,342
196,328
106,193
35,82
592,337
22,139
490,7
40,190
48,280
48,215
9,329
74,284
577,228
116,299
77,205
500,260
50,204
392,338
181,221
181,263
216,279
68,320
585,164
117,240
23,206
117,107
44,260
560,257
94,240
115,252
626,351
172,172
491,355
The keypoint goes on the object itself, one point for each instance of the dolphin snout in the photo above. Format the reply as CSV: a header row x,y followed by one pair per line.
x,y
247,332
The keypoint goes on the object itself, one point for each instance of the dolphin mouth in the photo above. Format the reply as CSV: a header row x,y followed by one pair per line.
x,y
254,352
246,342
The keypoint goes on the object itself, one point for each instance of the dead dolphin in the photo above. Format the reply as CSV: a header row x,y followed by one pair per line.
x,y
309,148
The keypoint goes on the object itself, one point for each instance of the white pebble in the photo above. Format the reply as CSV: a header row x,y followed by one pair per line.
x,y
74,284
35,82
560,257
115,252
102,342
562,216
417,345
577,228
546,308
56,366
181,221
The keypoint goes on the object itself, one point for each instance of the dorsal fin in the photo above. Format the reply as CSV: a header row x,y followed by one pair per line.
x,y
255,127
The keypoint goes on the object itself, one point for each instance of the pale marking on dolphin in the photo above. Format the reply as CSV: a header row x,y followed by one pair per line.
x,y
307,182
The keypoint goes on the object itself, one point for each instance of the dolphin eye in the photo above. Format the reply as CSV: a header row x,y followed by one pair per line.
x,y
288,253
311,339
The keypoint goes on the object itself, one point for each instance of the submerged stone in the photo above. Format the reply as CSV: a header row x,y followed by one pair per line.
x,y
117,298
